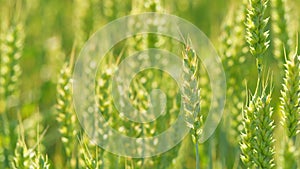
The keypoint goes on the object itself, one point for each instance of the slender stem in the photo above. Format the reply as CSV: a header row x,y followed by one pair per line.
x,y
259,72
197,156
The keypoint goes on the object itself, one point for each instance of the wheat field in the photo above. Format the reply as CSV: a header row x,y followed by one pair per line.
x,y
257,42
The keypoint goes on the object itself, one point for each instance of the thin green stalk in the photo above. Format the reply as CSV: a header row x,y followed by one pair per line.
x,y
197,156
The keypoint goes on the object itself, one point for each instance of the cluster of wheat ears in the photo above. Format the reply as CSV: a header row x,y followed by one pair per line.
x,y
255,132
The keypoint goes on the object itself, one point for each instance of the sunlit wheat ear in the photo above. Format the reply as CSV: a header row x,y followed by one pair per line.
x,y
191,92
256,33
191,96
257,134
66,117
280,29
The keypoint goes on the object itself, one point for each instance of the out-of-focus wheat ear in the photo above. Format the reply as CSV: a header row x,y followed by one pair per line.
x,y
11,47
83,20
280,28
290,110
12,41
66,117
234,56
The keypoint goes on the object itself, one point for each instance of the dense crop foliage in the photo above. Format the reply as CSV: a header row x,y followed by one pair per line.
x,y
257,42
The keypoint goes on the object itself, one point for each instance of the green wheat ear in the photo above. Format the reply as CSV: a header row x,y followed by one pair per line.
x,y
191,93
290,109
256,35
257,134
290,97
191,96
